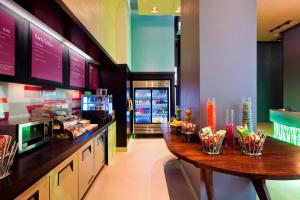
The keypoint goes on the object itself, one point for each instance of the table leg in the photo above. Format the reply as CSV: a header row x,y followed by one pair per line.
x,y
208,181
261,189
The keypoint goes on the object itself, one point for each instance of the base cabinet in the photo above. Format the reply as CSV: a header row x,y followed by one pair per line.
x,y
99,152
114,133
111,142
39,191
71,179
86,167
64,180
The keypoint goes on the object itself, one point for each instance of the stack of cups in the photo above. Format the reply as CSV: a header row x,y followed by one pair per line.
x,y
211,113
247,113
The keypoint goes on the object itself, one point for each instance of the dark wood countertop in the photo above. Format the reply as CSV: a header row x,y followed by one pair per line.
x,y
279,161
30,167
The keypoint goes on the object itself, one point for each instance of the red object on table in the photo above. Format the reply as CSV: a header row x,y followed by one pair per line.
x,y
211,115
229,134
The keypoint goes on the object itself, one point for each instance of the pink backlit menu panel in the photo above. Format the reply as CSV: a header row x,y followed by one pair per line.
x,y
47,56
7,44
93,77
77,70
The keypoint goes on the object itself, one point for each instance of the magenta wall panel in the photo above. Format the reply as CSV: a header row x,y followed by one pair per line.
x,y
77,70
93,77
47,56
7,44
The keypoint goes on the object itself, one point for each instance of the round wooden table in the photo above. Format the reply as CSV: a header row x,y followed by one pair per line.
x,y
279,161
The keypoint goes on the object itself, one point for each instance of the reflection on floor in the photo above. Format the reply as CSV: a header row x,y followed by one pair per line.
x,y
280,190
139,174
144,173
177,185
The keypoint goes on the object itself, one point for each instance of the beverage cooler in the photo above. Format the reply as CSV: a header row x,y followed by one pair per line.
x,y
160,105
142,106
151,108
96,108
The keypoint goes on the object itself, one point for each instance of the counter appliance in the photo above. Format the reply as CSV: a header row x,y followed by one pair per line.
x,y
28,132
97,108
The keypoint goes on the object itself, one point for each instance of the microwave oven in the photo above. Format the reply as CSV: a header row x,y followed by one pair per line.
x,y
29,133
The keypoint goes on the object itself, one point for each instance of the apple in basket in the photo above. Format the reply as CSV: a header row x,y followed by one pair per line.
x,y
188,127
211,139
252,141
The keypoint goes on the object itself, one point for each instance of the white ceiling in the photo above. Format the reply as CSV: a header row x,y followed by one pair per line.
x,y
271,13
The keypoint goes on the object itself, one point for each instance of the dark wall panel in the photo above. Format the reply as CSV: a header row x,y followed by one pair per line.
x,y
189,58
269,78
114,78
291,48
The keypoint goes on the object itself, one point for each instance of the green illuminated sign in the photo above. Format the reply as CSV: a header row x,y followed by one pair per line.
x,y
88,92
287,133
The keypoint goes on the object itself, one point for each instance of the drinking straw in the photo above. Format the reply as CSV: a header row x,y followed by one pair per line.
x,y
11,157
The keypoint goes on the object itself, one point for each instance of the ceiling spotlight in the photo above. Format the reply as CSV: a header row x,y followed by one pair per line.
x,y
155,10
178,9
277,34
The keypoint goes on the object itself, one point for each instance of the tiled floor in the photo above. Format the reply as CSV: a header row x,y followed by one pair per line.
x,y
138,174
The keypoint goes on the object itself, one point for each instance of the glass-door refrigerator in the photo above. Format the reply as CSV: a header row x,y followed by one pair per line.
x,y
142,106
151,106
160,105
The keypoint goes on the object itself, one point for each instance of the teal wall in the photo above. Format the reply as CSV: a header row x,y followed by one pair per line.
x,y
152,43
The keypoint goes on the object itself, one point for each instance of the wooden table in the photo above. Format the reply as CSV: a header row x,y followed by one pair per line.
x,y
280,161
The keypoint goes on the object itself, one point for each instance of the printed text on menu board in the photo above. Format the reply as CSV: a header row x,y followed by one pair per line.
x,y
93,77
77,70
47,56
7,44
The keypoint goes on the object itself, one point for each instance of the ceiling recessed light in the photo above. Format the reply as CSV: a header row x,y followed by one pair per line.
x,y
277,34
155,10
178,9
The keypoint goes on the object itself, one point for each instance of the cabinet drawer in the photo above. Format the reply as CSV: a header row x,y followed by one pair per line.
x,y
64,180
99,159
86,167
38,191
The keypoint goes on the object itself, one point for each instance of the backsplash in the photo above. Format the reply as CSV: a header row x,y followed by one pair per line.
x,y
16,100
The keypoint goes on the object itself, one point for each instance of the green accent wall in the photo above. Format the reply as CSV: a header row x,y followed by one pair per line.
x,y
152,43
128,34
108,21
